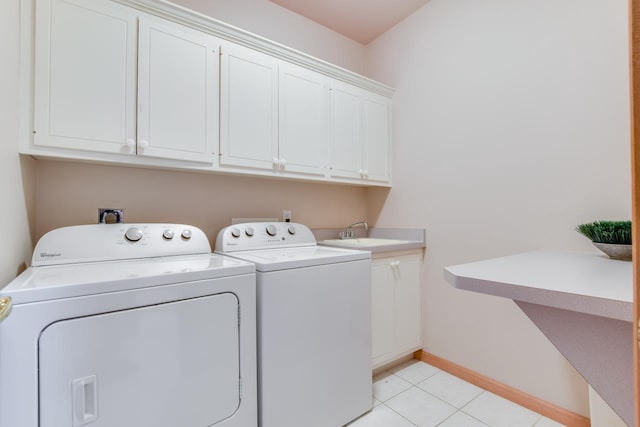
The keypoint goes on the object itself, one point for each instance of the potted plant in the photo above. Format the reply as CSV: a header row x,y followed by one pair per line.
x,y
611,237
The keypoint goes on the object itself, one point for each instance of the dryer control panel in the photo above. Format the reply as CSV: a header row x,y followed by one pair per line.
x,y
107,242
263,235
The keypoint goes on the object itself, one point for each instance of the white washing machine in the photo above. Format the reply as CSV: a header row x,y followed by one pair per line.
x,y
314,324
129,326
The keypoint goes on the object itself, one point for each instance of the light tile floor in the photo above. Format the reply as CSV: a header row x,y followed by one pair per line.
x,y
417,394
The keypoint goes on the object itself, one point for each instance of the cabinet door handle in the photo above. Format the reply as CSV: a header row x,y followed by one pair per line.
x,y
143,144
131,143
394,264
276,163
283,163
361,173
366,173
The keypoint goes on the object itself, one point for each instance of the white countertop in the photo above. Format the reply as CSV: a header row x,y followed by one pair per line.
x,y
587,282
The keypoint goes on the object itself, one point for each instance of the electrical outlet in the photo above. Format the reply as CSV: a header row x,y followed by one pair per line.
x,y
110,216
286,215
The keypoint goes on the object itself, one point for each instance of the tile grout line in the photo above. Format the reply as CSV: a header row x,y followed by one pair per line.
x,y
430,394
461,411
538,420
448,403
440,423
540,416
393,410
433,395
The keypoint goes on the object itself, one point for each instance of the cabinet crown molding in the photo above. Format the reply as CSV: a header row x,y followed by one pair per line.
x,y
207,24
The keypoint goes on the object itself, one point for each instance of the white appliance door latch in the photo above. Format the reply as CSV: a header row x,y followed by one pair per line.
x,y
85,400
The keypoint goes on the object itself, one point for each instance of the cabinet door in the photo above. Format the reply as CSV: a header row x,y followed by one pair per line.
x,y
382,295
85,75
248,108
345,146
408,319
177,92
303,144
376,138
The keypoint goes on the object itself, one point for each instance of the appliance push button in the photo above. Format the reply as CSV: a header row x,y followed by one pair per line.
x,y
133,234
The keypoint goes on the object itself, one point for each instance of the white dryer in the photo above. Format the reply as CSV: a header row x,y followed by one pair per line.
x,y
314,324
129,325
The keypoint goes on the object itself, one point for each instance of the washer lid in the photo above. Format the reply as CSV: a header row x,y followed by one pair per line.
x,y
74,280
298,257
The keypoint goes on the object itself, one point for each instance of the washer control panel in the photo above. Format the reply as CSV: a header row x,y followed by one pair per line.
x,y
263,235
103,242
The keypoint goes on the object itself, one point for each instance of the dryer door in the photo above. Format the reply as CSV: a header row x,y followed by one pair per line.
x,y
166,365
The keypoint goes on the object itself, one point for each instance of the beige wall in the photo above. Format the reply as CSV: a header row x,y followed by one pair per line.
x,y
71,193
511,126
16,176
276,23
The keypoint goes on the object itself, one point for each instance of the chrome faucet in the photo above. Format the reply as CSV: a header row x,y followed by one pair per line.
x,y
348,233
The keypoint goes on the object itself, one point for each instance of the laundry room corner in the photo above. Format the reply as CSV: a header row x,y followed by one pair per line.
x,y
17,174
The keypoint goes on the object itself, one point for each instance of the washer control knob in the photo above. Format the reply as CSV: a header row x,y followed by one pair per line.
x,y
249,231
133,234
235,232
271,230
168,234
186,234
292,230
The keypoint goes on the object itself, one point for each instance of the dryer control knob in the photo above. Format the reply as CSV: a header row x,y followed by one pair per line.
x,y
271,230
133,234
249,231
235,232
168,234
186,234
292,230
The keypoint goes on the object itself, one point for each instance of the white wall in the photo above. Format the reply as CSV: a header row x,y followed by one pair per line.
x,y
511,126
276,23
15,194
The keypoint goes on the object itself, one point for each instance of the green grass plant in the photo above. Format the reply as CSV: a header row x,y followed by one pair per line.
x,y
613,232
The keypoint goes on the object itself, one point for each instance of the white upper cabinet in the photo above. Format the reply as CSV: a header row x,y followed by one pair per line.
x,y
86,82
303,143
248,108
85,75
376,119
177,92
360,137
150,84
345,147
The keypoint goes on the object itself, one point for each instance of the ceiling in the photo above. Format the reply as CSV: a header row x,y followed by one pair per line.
x,y
360,20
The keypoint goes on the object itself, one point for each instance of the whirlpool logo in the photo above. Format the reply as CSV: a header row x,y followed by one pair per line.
x,y
48,255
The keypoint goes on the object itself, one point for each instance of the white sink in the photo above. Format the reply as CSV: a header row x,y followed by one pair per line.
x,y
364,242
